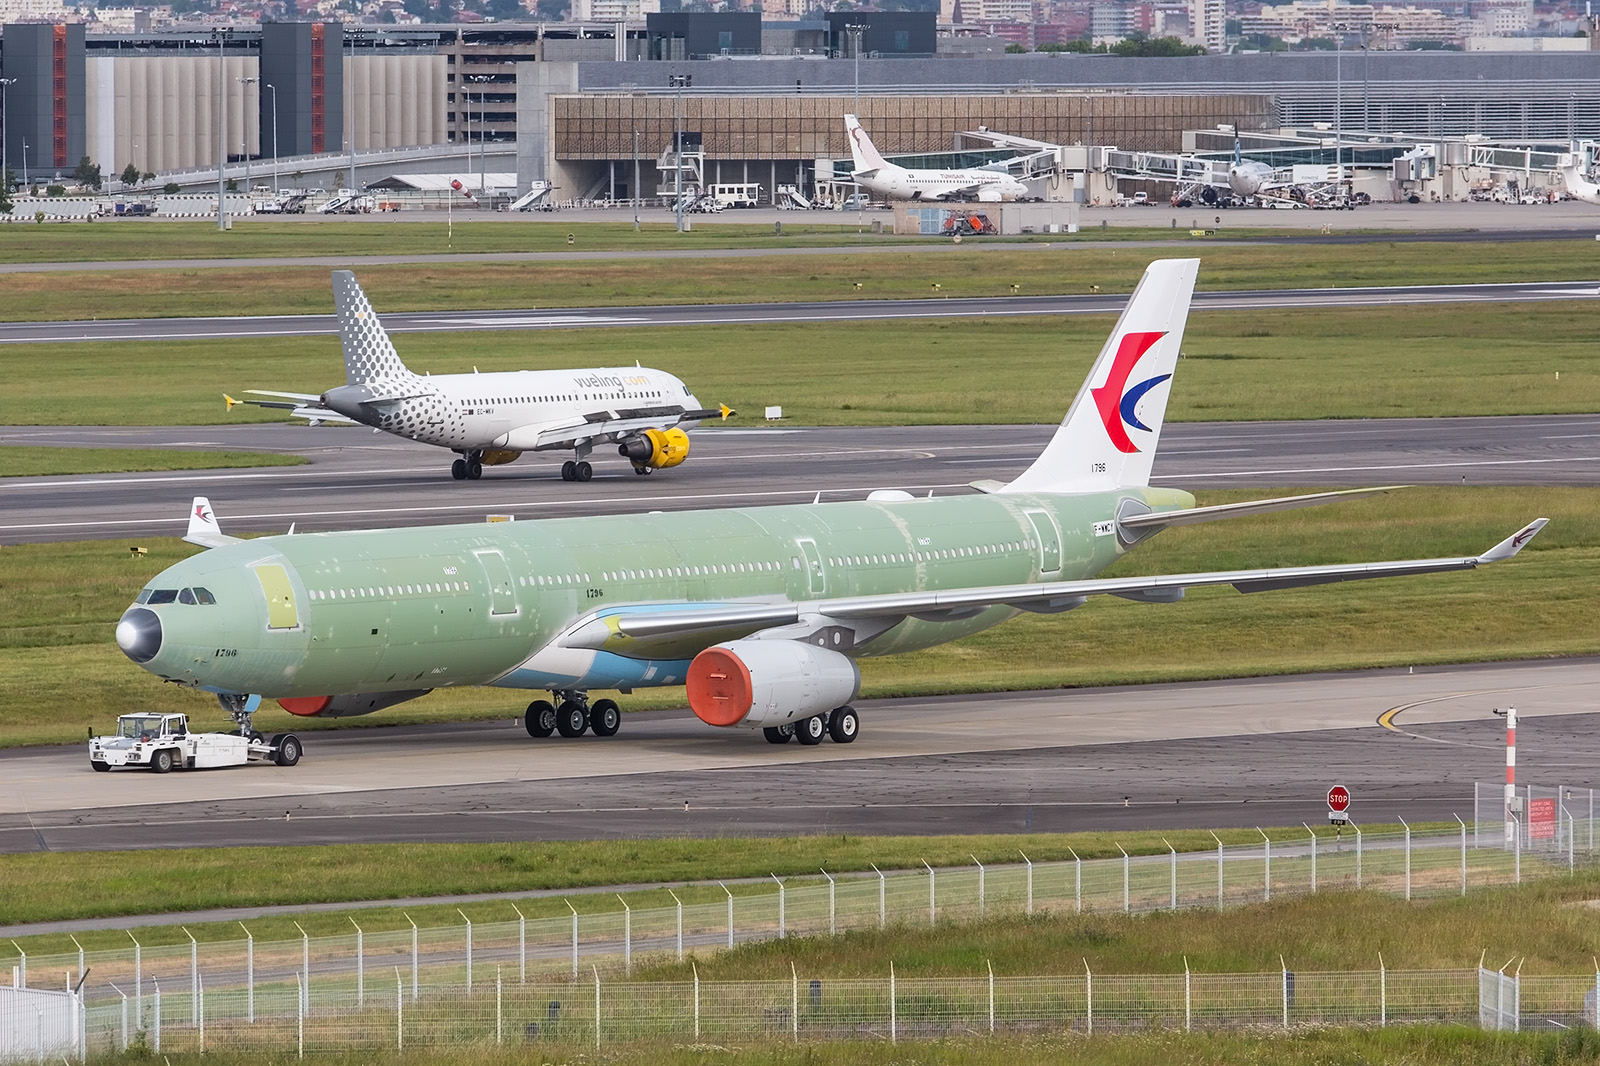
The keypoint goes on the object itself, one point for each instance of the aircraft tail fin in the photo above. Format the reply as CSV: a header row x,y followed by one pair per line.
x,y
1108,438
862,151
203,529
369,355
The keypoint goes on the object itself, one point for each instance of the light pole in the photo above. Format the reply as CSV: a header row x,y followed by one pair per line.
x,y
244,137
222,127
350,107
24,161
274,89
483,130
5,131
678,83
854,30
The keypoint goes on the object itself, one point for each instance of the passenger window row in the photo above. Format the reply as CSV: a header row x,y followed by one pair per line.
x,y
932,556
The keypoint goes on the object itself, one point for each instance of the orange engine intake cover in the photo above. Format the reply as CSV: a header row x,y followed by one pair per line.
x,y
305,706
719,687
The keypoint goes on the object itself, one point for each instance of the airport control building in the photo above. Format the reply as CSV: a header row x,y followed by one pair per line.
x,y
580,106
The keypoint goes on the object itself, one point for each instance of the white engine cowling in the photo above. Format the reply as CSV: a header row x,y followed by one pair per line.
x,y
762,683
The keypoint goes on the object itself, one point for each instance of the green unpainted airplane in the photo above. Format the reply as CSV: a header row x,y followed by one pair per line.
x,y
761,612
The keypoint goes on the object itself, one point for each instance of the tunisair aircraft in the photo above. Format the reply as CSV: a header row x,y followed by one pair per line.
x,y
761,612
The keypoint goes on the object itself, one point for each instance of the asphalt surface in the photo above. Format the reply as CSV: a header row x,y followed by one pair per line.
x,y
361,479
234,328
1213,754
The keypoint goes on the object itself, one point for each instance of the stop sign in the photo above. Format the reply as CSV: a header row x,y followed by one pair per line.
x,y
1338,799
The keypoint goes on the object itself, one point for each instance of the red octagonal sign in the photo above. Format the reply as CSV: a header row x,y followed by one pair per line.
x,y
1338,799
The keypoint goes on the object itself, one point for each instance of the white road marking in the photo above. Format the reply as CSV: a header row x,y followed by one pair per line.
x,y
1360,469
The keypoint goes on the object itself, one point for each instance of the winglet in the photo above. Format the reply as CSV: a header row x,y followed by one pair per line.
x,y
1514,543
203,528
727,412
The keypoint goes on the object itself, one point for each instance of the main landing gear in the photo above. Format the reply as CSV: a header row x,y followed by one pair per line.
x,y
576,471
572,716
468,468
842,724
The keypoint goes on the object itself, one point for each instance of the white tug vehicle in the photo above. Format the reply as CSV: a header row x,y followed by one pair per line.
x,y
162,742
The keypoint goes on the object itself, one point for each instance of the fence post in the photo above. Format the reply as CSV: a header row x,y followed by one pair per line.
x,y
783,925
361,964
679,938
200,1015
1220,861
1383,993
883,897
627,936
1172,903
124,996
155,1043
138,972
1029,861
696,969
1088,999
794,1002
305,969
933,911
80,956
1572,855
1284,969
249,974
1463,854
300,1018
832,911
399,1011
1516,831
464,918
1357,828
1077,882
990,965
1475,815
194,976
1125,873
1266,869
730,914
1313,833
574,911
1408,856
499,1009
982,874
414,958
1187,1000
894,1035
22,966
597,1008
522,946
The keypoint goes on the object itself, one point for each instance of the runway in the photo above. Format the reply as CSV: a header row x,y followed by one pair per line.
x,y
252,327
361,479
1234,753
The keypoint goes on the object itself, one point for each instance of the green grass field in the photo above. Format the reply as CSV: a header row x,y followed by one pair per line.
x,y
63,675
1383,362
967,271
34,461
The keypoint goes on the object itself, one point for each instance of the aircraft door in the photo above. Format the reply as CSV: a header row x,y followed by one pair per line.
x,y
502,589
815,575
1049,541
275,586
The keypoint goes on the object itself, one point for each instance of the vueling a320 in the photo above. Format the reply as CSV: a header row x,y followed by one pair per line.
x,y
761,612
490,419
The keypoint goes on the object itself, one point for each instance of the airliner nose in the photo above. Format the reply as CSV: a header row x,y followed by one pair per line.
x,y
139,634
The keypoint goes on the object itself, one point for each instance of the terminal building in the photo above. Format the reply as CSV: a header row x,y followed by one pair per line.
x,y
583,107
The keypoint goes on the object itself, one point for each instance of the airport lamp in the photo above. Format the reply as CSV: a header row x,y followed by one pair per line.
x,y
221,37
244,139
678,82
5,128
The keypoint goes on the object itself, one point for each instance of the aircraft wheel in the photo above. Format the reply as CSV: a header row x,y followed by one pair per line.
x,y
161,762
288,747
605,718
643,470
540,721
569,471
584,471
843,725
474,470
809,731
99,767
778,734
458,470
572,718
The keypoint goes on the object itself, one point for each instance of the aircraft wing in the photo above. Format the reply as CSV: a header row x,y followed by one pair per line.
x,y
298,404
613,425
616,632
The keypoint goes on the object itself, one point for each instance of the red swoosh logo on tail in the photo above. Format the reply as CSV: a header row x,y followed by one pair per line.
x,y
1108,397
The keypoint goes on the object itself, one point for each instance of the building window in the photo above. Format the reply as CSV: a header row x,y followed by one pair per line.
x,y
902,40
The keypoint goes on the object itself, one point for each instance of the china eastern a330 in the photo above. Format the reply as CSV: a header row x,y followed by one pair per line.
x,y
490,419
761,612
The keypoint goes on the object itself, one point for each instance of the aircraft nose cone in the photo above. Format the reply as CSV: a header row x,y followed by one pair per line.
x,y
139,634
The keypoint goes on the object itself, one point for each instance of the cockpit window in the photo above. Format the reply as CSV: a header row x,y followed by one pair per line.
x,y
204,597
158,596
186,596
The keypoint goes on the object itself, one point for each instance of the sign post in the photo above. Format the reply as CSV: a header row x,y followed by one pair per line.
x,y
1338,805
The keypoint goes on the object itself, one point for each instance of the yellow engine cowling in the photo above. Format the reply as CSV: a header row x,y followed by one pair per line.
x,y
656,449
500,458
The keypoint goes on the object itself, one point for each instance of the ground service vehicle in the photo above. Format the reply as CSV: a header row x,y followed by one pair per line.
x,y
163,742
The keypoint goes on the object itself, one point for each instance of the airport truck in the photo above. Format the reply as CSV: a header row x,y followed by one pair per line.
x,y
163,742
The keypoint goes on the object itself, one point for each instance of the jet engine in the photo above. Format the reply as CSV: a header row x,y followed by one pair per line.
x,y
499,457
350,706
763,683
656,449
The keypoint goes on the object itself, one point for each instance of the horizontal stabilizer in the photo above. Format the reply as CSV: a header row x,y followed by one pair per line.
x,y
1243,509
203,529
